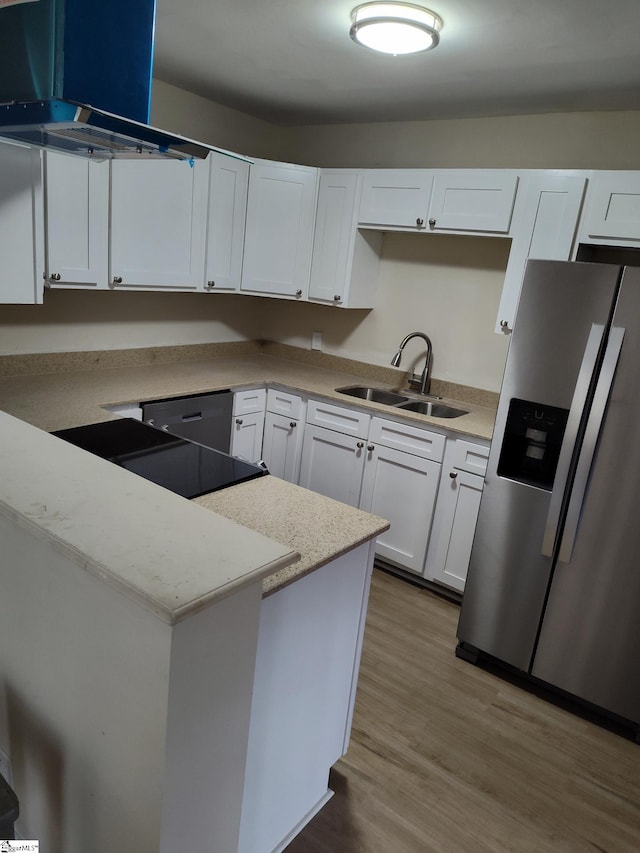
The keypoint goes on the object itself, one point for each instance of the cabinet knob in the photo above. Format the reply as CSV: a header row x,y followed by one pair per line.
x,y
420,222
55,276
337,298
371,447
211,284
453,475
117,279
239,421
359,444
432,223
293,424
504,325
298,293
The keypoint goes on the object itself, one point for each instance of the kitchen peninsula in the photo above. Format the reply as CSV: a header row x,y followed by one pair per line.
x,y
167,672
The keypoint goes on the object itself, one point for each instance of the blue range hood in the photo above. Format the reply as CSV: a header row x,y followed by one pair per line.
x,y
76,77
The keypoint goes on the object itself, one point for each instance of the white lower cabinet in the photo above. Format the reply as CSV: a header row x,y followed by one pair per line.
x,y
248,424
457,513
283,433
332,464
388,468
402,488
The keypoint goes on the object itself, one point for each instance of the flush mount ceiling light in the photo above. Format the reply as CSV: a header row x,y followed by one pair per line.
x,y
395,28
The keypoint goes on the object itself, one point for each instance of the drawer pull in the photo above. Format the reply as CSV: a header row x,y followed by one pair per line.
x,y
239,421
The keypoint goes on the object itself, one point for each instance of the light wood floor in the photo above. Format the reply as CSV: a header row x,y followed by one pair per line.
x,y
447,757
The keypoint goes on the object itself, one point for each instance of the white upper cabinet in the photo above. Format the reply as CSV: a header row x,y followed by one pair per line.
x,y
279,232
76,221
345,262
544,227
21,232
158,224
439,200
396,198
612,213
227,209
472,200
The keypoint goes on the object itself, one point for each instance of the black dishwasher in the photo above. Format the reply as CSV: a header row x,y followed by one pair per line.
x,y
202,418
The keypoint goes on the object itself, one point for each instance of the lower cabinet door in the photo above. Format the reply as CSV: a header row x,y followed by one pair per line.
x,y
401,488
246,436
332,464
282,446
458,502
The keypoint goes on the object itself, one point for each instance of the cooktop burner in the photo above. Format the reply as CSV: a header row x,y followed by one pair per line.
x,y
181,466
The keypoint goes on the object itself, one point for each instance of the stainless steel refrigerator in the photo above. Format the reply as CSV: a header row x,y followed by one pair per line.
x,y
554,580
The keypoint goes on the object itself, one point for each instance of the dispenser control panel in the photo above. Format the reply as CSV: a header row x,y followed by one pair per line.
x,y
532,441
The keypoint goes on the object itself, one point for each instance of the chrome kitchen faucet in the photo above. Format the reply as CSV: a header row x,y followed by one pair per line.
x,y
420,383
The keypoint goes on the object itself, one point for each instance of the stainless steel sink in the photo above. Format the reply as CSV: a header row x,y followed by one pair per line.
x,y
375,395
435,410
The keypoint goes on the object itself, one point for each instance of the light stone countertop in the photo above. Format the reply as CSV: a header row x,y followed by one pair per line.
x,y
167,554
82,385
318,528
69,398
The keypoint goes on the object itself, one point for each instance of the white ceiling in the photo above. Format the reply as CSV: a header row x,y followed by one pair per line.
x,y
292,61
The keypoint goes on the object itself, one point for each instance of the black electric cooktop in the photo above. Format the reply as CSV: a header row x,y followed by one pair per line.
x,y
181,466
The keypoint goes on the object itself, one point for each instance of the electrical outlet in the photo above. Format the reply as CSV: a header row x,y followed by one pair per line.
x,y
316,340
5,767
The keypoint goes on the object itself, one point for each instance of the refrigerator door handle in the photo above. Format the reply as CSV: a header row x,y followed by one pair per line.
x,y
590,442
587,367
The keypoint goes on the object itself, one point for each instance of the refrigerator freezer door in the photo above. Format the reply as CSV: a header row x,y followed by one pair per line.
x,y
590,639
508,572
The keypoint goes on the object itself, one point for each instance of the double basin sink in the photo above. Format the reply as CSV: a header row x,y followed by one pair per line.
x,y
398,400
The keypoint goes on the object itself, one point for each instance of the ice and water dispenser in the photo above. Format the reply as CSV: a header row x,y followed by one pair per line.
x,y
531,444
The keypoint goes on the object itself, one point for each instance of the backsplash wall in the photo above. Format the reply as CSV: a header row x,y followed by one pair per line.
x,y
446,286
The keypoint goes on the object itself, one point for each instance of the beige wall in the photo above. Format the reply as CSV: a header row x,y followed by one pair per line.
x,y
85,320
604,140
446,286
190,115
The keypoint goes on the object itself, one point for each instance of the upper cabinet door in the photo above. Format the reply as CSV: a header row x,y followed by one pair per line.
x,y
613,208
228,187
21,217
545,226
473,200
279,232
76,221
158,223
398,198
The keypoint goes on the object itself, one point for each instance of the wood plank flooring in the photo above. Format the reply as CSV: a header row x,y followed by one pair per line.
x,y
447,757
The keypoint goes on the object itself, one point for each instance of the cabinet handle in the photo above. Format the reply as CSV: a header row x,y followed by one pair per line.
x,y
371,447
55,276
337,298
117,279
453,475
293,424
420,222
211,284
359,444
298,293
504,325
239,421
432,223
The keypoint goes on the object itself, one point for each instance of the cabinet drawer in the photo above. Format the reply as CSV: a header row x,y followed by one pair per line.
x,y
283,403
251,400
470,457
336,418
420,442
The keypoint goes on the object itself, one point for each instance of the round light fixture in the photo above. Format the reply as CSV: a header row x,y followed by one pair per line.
x,y
395,28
